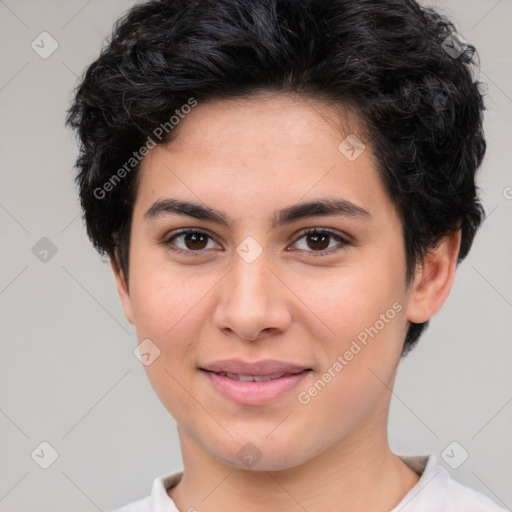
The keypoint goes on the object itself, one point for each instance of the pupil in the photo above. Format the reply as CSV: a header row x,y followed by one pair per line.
x,y
323,243
193,239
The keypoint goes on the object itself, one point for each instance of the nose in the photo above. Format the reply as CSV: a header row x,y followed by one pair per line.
x,y
252,301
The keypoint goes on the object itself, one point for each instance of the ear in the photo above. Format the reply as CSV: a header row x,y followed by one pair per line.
x,y
122,290
433,279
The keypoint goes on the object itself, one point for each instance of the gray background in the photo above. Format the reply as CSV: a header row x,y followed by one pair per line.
x,y
68,375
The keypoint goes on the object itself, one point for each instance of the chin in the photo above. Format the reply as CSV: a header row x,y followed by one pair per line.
x,y
260,455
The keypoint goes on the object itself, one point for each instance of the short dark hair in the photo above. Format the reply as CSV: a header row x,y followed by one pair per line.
x,y
388,59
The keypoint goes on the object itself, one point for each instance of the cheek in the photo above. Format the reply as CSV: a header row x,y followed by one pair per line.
x,y
357,377
348,300
167,305
364,309
165,297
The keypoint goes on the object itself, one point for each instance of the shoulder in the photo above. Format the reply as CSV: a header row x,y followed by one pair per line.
x,y
158,501
143,505
460,498
437,491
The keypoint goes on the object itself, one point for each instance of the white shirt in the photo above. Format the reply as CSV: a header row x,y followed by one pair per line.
x,y
435,491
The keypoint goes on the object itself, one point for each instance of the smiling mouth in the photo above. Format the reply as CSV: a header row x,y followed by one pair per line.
x,y
255,378
255,390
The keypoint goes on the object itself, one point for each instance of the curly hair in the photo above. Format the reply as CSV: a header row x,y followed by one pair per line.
x,y
421,107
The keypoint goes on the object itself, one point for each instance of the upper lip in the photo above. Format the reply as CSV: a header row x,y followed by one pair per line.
x,y
263,367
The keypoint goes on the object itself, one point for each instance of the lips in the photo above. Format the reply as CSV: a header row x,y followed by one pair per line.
x,y
257,383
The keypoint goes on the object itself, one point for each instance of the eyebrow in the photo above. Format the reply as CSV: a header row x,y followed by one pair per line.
x,y
322,207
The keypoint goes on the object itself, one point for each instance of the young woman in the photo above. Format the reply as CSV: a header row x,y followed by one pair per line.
x,y
284,189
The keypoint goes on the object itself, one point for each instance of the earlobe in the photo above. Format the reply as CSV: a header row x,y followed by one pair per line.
x,y
122,290
434,279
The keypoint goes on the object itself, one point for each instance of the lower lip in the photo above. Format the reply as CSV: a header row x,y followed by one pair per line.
x,y
254,393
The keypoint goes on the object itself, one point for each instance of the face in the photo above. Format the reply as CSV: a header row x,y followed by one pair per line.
x,y
321,293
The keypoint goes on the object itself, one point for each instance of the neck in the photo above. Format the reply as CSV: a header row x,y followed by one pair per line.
x,y
359,472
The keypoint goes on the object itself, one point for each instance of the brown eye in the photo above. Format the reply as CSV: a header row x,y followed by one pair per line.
x,y
318,240
195,240
190,241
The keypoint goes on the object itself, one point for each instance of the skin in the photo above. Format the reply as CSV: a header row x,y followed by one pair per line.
x,y
249,158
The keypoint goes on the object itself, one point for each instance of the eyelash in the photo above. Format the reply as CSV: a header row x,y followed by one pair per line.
x,y
342,242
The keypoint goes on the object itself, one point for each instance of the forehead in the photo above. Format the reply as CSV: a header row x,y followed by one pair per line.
x,y
270,119
258,153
